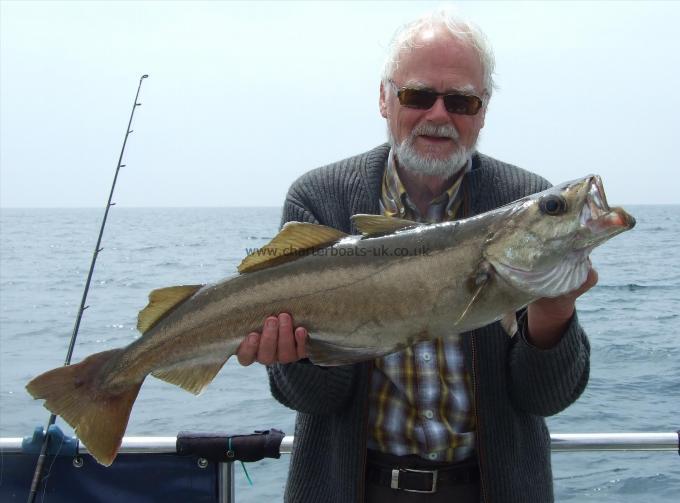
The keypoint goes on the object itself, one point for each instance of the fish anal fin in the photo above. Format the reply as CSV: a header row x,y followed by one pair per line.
x,y
191,375
294,239
509,323
329,354
161,302
99,417
378,225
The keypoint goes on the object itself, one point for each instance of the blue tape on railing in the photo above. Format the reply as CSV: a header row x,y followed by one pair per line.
x,y
57,443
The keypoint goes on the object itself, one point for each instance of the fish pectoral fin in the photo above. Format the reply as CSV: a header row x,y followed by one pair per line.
x,y
509,323
190,375
161,302
294,239
480,280
374,225
330,354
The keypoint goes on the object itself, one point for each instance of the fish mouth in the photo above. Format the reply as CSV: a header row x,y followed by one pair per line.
x,y
598,217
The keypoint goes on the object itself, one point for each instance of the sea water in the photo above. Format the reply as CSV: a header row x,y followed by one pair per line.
x,y
632,318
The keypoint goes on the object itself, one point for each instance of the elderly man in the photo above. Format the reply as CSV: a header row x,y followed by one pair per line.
x,y
459,419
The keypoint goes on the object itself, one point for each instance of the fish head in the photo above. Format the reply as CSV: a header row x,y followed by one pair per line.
x,y
544,240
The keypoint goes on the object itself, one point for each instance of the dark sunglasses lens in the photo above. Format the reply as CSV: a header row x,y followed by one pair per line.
x,y
417,98
462,104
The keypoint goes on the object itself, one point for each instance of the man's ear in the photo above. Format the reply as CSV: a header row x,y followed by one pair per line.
x,y
383,101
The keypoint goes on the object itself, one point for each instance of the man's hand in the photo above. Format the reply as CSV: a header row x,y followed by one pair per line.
x,y
278,343
548,318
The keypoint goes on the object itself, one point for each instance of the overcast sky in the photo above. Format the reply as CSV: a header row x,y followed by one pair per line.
x,y
242,98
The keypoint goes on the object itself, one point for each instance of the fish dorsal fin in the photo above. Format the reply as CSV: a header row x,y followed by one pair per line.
x,y
374,225
294,240
161,302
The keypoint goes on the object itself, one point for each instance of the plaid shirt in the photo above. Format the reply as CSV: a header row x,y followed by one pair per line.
x,y
420,398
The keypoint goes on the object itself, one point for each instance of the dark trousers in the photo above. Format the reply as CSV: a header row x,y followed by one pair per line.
x,y
464,493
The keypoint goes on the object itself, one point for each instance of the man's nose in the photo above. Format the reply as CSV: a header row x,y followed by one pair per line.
x,y
438,112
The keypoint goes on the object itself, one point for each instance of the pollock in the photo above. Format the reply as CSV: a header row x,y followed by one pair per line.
x,y
360,297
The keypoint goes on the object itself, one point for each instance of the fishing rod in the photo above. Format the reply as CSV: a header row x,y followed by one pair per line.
x,y
39,466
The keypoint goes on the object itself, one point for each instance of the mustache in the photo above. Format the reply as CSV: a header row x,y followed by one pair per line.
x,y
438,130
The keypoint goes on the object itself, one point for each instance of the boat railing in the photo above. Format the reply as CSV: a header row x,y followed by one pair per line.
x,y
280,444
560,442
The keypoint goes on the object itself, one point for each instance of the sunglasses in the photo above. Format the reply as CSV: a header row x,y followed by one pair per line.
x,y
422,99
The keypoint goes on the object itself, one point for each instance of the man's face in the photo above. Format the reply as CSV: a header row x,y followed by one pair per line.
x,y
425,138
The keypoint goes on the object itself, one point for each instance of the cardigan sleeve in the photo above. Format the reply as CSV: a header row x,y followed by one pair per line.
x,y
546,381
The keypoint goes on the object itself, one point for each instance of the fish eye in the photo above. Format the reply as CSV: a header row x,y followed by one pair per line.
x,y
553,205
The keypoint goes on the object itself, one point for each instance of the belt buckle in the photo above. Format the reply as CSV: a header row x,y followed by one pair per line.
x,y
394,483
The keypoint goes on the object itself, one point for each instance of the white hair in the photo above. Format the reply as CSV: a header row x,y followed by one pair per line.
x,y
459,27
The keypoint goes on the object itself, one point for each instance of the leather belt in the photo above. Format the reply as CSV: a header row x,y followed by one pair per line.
x,y
421,481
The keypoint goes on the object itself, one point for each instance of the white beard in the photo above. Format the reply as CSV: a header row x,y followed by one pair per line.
x,y
410,159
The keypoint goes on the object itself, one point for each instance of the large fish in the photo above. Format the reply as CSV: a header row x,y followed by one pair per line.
x,y
359,297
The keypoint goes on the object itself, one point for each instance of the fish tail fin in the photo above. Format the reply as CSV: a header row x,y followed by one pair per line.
x,y
99,417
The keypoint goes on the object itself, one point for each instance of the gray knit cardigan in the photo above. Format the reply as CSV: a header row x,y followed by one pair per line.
x,y
515,384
